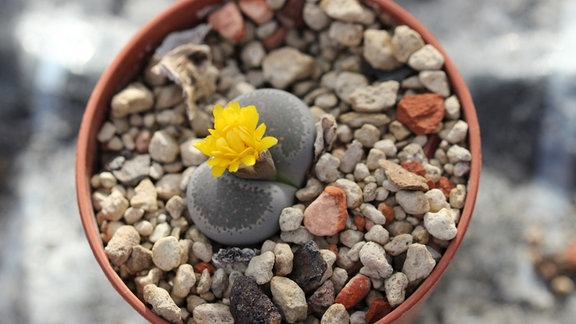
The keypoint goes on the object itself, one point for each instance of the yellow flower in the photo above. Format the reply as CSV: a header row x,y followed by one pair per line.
x,y
235,140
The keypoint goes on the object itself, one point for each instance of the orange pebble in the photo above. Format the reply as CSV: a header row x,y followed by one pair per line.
x,y
354,291
360,222
199,268
388,212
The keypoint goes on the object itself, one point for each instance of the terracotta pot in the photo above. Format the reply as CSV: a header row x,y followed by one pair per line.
x,y
130,61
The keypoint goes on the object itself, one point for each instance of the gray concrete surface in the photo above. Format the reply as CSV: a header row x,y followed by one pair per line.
x,y
516,55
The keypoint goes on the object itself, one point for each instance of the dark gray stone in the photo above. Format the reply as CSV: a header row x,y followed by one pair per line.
x,y
308,267
249,304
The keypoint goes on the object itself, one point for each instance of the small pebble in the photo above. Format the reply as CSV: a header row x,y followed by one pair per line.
x,y
378,50
367,135
120,246
321,299
209,313
419,263
399,244
353,292
327,168
435,81
343,10
184,280
426,58
308,267
421,113
166,253
113,206
405,42
327,214
373,257
372,213
283,258
280,74
335,314
413,202
260,267
352,191
377,234
290,219
133,99
249,304
145,196
395,288
440,224
290,298
346,34
162,303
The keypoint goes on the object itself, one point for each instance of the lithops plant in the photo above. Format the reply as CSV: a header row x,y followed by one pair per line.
x,y
236,198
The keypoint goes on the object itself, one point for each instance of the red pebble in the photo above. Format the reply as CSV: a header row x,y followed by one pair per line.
x,y
257,10
199,267
377,310
354,291
228,21
387,211
422,112
445,185
414,167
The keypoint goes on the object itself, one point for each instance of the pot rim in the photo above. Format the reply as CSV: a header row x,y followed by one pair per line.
x,y
129,62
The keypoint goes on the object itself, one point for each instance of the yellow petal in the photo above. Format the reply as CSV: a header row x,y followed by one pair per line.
x,y
249,160
268,142
217,171
217,111
259,132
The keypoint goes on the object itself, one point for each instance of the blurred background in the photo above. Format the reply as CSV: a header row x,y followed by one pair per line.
x,y
517,57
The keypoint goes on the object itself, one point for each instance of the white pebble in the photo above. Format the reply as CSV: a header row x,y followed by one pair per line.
x,y
260,267
440,224
290,219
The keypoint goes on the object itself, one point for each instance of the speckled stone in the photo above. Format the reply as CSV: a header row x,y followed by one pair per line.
x,y
248,304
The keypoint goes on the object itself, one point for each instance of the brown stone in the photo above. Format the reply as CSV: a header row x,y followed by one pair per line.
x,y
377,309
228,21
414,167
402,178
422,112
327,214
445,185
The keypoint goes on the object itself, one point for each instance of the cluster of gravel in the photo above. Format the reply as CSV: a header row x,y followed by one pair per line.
x,y
394,182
